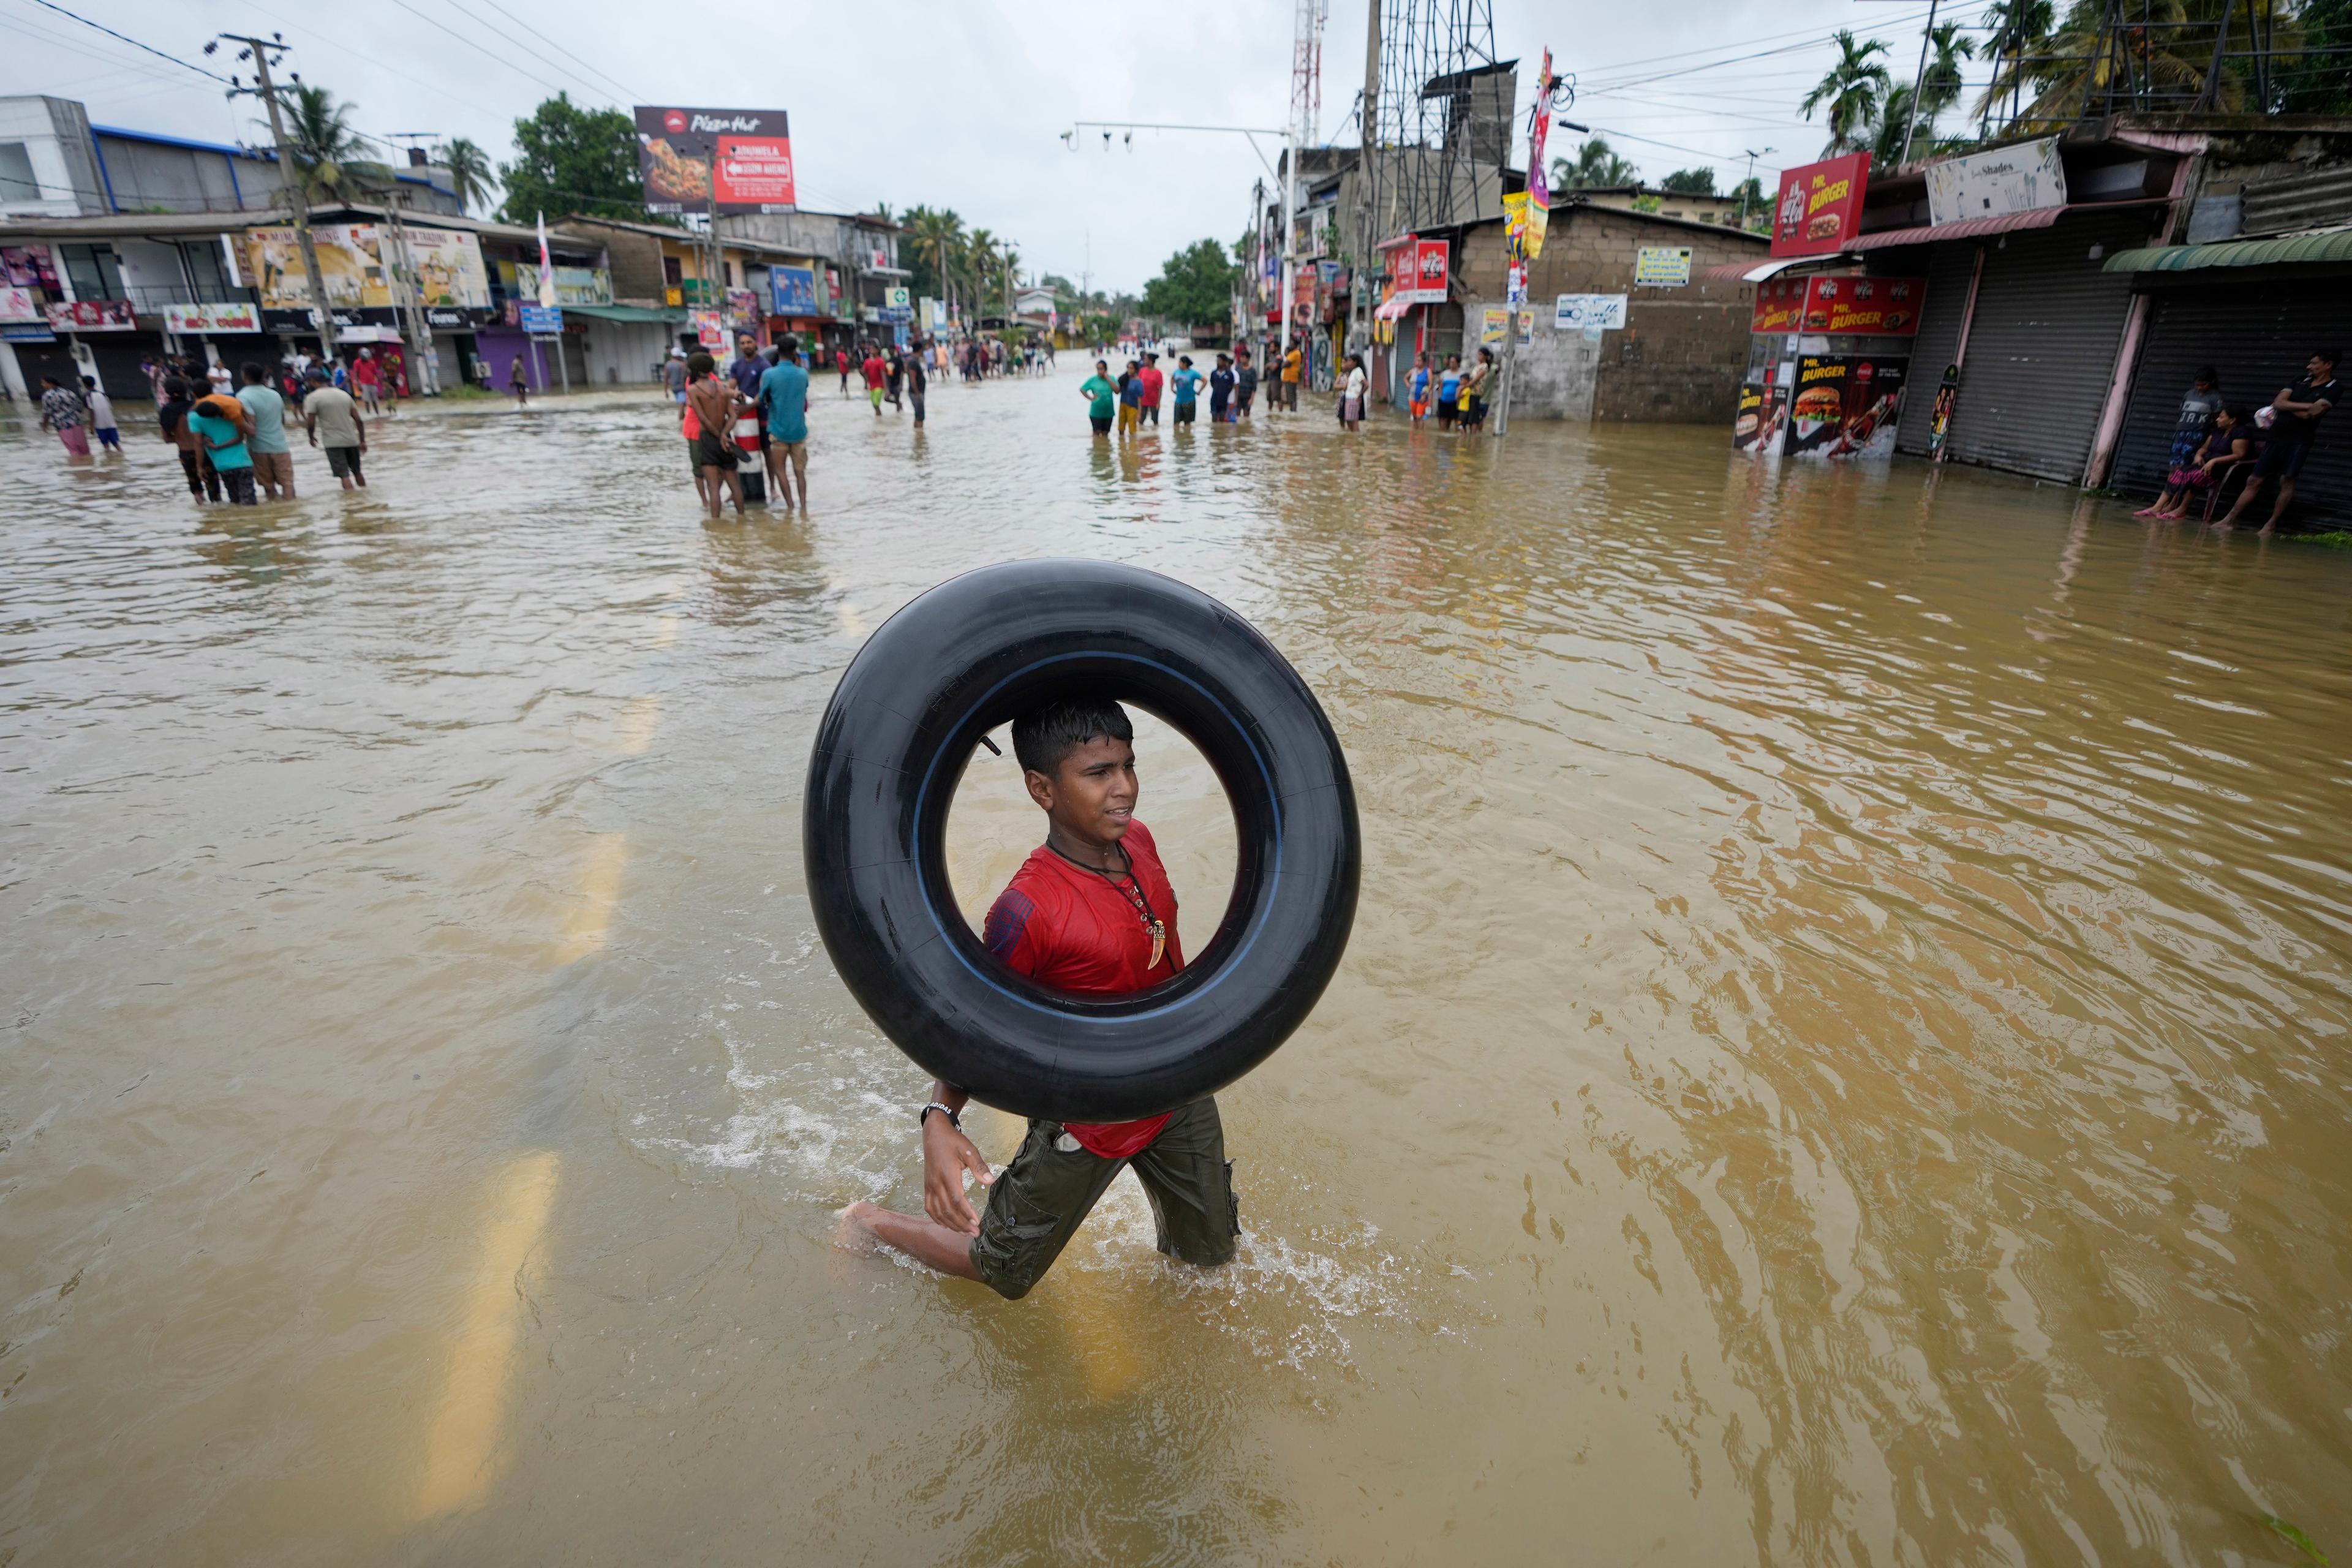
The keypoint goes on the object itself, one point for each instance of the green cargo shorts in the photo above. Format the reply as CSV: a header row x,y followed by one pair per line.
x,y
1038,1201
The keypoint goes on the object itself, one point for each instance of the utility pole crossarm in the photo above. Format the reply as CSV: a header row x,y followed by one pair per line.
x,y
297,192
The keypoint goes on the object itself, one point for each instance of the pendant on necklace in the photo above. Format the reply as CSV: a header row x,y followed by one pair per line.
x,y
1158,943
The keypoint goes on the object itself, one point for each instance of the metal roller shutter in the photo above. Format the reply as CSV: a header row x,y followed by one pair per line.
x,y
1947,269
2257,333
2041,352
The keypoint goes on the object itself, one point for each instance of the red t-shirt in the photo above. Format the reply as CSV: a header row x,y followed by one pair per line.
x,y
1075,930
365,373
875,371
1152,379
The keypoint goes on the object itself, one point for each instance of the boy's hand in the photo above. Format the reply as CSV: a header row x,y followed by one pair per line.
x,y
947,1155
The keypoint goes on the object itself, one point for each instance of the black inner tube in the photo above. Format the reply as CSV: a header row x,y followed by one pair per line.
x,y
973,654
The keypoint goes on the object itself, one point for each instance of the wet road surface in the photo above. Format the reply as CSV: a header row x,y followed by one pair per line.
x,y
1843,1058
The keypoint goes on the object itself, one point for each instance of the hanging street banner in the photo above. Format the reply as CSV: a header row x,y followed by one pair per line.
x,y
2021,179
1538,183
1820,207
746,152
211,318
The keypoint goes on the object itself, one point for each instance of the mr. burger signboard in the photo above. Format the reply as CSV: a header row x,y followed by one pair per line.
x,y
1878,307
743,157
1820,207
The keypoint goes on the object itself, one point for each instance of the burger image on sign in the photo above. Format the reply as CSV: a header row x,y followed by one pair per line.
x,y
1817,408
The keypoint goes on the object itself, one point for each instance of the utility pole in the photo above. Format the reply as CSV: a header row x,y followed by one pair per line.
x,y
1368,138
1919,82
299,195
412,311
1753,153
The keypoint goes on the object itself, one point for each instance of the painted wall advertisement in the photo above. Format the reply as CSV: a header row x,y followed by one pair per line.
x,y
1820,207
1763,413
1845,406
352,262
1661,266
207,319
1881,307
2020,179
743,157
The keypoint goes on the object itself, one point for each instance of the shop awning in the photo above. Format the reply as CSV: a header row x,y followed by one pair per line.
x,y
2321,245
1967,229
1389,309
626,313
1757,271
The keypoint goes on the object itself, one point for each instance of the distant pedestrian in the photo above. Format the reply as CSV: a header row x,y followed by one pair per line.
x,y
1185,383
64,411
518,382
335,426
1294,364
877,376
2295,414
1221,391
893,374
1244,385
265,417
219,422
155,371
1473,391
1420,401
1449,392
368,376
919,382
222,379
102,414
841,362
1351,394
714,402
673,378
1101,394
783,404
171,413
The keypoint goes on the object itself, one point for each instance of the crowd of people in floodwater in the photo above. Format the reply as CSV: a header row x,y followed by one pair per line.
x,y
1134,398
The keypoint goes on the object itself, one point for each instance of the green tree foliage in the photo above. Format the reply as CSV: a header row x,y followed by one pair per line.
x,y
1595,164
1697,181
329,158
573,159
470,170
2321,83
2073,64
1195,287
1854,90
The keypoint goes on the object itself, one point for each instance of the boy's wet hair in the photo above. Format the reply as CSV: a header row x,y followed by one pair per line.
x,y
1043,736
700,363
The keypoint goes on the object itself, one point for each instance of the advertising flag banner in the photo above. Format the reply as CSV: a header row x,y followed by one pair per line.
x,y
748,152
1846,407
1820,207
91,316
1538,186
2020,179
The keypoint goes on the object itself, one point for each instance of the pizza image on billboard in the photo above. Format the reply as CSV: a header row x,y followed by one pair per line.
x,y
743,158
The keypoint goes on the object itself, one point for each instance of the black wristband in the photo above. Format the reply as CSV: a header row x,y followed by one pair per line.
x,y
923,1117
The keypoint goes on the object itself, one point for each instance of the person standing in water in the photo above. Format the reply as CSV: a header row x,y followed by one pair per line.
x,y
1101,394
1221,390
714,403
1351,395
1244,385
1090,912
334,422
783,402
518,381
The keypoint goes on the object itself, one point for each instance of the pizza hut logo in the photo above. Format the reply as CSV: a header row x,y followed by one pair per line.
x,y
674,122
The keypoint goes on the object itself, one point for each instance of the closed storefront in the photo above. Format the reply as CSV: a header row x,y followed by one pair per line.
x,y
2256,325
1946,268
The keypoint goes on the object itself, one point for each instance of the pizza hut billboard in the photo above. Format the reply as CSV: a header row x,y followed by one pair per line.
x,y
1880,307
746,153
1820,207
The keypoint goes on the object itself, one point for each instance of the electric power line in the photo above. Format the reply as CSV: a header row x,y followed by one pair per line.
x,y
592,89
471,44
49,5
626,89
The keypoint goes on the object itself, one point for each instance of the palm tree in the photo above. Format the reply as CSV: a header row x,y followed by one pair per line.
x,y
1855,88
1939,89
1596,164
2160,60
979,261
937,234
469,172
330,157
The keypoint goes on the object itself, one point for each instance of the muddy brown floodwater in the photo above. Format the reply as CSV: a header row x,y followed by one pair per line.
x,y
1843,1058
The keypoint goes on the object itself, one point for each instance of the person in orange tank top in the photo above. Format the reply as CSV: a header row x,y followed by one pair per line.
x,y
1091,912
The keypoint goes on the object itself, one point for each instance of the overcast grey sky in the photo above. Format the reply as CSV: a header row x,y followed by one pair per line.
x,y
961,103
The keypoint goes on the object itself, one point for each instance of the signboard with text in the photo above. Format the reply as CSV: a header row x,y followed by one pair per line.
x,y
2020,179
1763,411
541,320
1820,206
1661,266
211,318
91,316
741,158
1845,406
1572,313
1424,280
1881,307
795,288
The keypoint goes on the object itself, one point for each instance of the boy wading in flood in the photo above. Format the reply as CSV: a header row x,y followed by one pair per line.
x,y
1090,911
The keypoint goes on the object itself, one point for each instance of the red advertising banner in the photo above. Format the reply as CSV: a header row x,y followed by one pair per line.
x,y
755,172
1428,282
1881,307
1821,206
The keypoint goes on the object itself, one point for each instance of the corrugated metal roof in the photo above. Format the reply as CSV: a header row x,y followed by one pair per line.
x,y
2323,245
1967,229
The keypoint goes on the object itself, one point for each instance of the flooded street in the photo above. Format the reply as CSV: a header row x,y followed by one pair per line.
x,y
1843,1058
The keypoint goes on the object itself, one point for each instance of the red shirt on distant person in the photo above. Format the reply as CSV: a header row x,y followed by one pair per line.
x,y
1078,930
